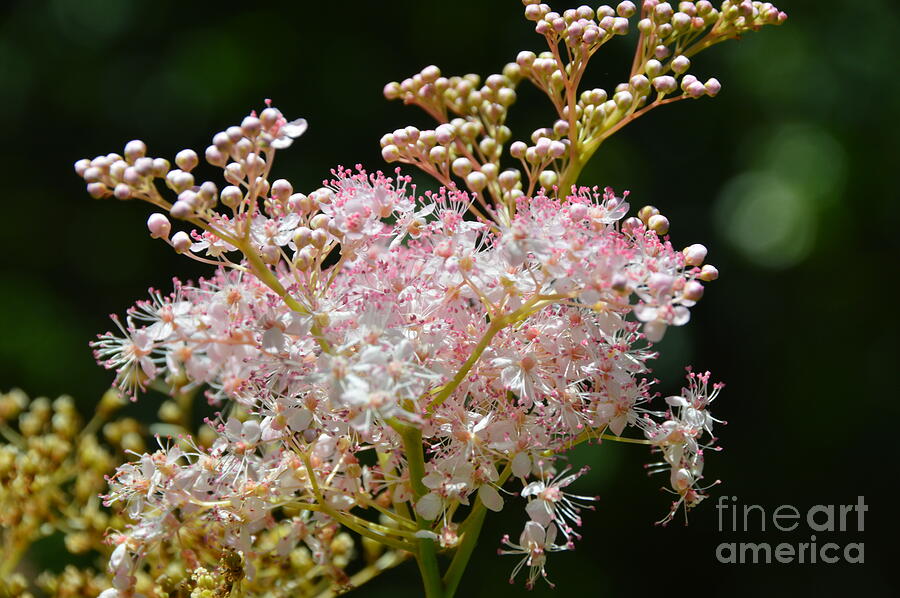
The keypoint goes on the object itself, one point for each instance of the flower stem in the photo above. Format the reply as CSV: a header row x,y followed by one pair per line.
x,y
426,555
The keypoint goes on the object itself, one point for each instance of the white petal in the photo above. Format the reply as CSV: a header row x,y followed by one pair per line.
x,y
539,512
617,425
295,128
251,431
299,419
533,488
677,401
429,506
655,330
551,535
521,465
490,498
533,532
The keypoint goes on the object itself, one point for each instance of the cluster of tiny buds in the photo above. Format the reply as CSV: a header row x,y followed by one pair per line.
x,y
469,145
576,26
469,141
243,152
649,217
52,468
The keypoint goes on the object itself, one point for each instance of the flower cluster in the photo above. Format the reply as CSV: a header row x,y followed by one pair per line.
x,y
390,363
469,142
52,468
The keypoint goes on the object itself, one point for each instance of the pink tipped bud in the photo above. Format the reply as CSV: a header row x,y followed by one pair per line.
x,y
270,117
97,190
680,64
181,242
187,160
181,210
81,166
282,189
390,153
215,157
159,226
696,90
665,84
693,291
444,134
122,191
302,237
694,254
659,224
135,149
231,196
392,90
712,87
708,273
250,126
626,9
620,26
318,238
462,166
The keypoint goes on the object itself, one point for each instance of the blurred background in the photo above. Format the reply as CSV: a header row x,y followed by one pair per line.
x,y
789,176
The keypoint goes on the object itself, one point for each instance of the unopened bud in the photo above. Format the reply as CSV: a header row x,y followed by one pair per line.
x,y
462,166
646,212
681,64
122,191
694,254
708,273
548,178
476,181
231,196
390,153
181,242
159,226
135,149
658,223
282,189
187,160
693,291
251,126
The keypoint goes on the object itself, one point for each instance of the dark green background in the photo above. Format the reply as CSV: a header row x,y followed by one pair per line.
x,y
789,177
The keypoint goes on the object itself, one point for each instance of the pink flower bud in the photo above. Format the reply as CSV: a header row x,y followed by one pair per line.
x,y
626,9
694,254
181,210
97,190
708,273
135,149
159,226
281,189
250,126
181,242
122,191
390,153
693,291
659,224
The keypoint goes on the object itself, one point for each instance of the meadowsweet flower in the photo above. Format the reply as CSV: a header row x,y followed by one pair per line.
x,y
375,350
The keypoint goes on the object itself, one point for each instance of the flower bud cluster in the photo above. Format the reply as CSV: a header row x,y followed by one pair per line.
x,y
470,144
51,470
668,36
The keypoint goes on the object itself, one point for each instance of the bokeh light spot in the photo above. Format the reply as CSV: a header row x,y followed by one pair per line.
x,y
766,220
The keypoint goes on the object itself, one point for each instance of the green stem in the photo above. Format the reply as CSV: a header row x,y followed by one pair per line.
x,y
464,550
426,556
